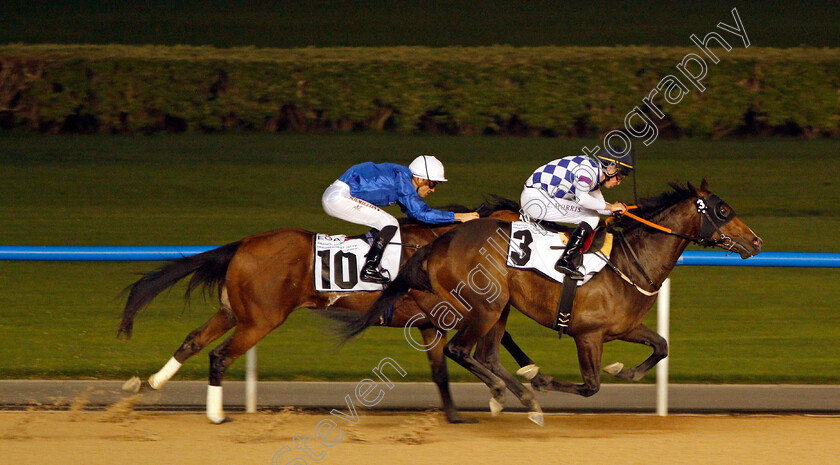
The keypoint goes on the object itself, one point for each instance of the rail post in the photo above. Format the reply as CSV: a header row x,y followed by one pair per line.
x,y
251,380
663,310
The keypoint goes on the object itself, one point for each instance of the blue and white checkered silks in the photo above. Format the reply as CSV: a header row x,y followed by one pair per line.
x,y
562,178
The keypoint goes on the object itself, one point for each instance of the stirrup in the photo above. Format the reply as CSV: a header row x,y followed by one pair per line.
x,y
372,275
572,272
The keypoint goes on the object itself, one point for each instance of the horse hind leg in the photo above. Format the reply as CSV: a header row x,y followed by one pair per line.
x,y
437,361
214,328
245,336
488,353
217,326
640,335
458,349
528,368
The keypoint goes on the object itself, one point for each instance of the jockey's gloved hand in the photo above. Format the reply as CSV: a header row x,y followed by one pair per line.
x,y
617,209
464,217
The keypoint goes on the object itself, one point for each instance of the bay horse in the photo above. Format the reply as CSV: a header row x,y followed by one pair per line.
x,y
263,278
606,308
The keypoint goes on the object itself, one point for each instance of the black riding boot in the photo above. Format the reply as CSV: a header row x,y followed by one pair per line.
x,y
568,261
370,272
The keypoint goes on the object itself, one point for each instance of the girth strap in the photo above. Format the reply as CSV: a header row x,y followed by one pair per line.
x,y
563,314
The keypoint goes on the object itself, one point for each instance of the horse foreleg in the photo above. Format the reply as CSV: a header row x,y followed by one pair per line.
x,y
640,335
589,349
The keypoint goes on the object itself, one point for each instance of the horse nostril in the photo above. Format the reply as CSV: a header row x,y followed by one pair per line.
x,y
757,242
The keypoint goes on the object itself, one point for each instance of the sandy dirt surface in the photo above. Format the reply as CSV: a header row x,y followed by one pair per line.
x,y
121,435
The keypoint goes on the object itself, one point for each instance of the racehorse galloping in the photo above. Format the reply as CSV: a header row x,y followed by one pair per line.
x,y
262,279
606,308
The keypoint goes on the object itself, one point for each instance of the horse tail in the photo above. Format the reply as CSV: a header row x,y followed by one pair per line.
x,y
411,276
208,269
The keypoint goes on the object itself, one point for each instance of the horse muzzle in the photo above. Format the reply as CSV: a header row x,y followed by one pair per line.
x,y
751,249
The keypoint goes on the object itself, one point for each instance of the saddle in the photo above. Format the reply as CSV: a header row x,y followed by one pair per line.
x,y
599,240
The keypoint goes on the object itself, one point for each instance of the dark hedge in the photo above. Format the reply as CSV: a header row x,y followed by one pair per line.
x,y
554,91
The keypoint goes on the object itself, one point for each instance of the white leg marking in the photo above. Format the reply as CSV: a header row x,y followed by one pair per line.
x,y
157,380
215,411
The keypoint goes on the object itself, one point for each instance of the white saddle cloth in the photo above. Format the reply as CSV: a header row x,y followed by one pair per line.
x,y
534,248
338,261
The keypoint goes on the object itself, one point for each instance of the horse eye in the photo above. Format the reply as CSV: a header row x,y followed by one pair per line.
x,y
723,211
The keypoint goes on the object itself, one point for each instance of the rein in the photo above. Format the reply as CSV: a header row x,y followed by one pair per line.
x,y
653,225
723,215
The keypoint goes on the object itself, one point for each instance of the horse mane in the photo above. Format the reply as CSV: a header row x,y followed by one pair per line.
x,y
490,205
496,203
651,206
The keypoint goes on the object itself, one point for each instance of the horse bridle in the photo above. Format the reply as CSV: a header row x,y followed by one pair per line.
x,y
714,214
721,214
710,223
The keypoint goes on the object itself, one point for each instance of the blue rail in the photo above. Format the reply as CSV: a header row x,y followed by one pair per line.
x,y
771,259
159,253
98,254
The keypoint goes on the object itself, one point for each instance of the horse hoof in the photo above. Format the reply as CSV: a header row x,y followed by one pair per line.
x,y
537,417
614,369
528,372
132,385
495,407
219,419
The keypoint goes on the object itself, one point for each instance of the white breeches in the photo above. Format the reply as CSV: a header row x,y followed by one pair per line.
x,y
537,204
338,202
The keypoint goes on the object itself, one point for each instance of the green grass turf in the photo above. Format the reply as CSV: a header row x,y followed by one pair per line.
x,y
226,23
59,319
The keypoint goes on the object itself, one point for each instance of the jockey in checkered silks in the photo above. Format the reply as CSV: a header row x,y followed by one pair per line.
x,y
568,190
357,195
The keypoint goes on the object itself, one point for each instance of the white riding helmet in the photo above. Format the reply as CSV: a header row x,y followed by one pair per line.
x,y
427,167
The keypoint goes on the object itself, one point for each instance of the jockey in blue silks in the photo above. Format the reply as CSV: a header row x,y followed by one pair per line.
x,y
357,195
568,190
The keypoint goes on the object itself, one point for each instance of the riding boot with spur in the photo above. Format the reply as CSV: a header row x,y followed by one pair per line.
x,y
370,272
567,264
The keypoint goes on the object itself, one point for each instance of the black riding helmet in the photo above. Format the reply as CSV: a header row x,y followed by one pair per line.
x,y
624,162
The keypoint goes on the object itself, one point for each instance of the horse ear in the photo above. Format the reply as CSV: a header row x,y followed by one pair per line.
x,y
693,189
704,186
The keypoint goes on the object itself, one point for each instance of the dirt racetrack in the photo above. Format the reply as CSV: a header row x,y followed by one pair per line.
x,y
123,436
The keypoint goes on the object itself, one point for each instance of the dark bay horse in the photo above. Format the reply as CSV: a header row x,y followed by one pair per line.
x,y
607,308
263,278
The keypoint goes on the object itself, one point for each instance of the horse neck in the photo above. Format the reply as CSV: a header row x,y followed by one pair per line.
x,y
658,252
